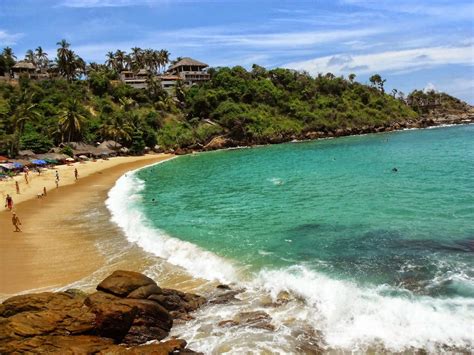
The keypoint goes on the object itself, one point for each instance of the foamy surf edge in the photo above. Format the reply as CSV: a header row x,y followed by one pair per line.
x,y
123,202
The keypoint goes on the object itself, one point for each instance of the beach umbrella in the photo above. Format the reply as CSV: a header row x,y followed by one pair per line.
x,y
69,159
17,165
38,162
84,157
3,159
7,166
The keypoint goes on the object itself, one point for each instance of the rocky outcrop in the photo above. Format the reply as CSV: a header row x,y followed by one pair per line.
x,y
255,319
218,142
127,310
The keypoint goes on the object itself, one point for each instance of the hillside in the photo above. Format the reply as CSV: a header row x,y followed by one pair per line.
x,y
236,107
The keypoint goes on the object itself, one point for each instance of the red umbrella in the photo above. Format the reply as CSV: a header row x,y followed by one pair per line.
x,y
3,159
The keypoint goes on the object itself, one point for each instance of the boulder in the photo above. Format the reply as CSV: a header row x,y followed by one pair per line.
x,y
128,308
121,282
178,303
144,292
225,297
217,143
57,344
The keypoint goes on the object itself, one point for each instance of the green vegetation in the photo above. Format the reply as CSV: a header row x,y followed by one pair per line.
x,y
88,103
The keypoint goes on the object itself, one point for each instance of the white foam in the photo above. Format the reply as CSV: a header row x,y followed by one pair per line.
x,y
123,203
355,318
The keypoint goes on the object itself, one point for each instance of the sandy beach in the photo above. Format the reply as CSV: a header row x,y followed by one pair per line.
x,y
54,249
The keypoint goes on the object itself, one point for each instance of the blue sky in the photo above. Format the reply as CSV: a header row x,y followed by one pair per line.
x,y
413,44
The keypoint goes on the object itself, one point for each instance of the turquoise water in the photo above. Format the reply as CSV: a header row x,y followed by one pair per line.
x,y
334,206
370,258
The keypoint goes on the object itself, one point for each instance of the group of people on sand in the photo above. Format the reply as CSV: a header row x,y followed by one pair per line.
x,y
9,200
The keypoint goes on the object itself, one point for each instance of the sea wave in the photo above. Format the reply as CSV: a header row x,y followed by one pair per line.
x,y
123,202
348,316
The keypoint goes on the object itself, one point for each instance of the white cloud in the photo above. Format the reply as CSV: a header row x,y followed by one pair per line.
x,y
390,61
430,87
282,39
8,39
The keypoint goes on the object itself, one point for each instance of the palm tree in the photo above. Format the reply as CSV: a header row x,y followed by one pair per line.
x,y
9,58
63,49
25,111
30,56
41,57
70,65
110,62
164,57
120,57
71,120
117,127
136,58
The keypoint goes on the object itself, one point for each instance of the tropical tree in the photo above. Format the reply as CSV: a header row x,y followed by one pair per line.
x,y
41,57
377,81
117,128
30,56
110,62
24,111
71,120
8,59
70,65
120,59
136,58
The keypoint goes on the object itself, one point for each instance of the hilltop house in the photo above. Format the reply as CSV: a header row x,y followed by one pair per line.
x,y
135,79
23,68
189,70
28,69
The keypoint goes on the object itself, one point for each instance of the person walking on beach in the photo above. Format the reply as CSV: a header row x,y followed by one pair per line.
x,y
16,222
26,177
44,191
9,202
76,174
57,175
17,187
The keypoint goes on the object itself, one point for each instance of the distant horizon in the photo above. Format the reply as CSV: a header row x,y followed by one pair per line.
x,y
424,46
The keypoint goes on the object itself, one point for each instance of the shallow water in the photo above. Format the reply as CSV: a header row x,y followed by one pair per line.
x,y
374,257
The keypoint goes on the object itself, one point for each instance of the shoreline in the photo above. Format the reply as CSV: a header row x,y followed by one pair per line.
x,y
142,262
425,123
19,255
54,250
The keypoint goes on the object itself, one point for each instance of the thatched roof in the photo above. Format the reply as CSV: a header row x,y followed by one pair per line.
x,y
26,153
188,61
24,65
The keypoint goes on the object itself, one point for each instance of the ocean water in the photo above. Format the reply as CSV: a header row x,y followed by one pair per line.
x,y
372,258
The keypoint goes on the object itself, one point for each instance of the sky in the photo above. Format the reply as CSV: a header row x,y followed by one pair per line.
x,y
424,44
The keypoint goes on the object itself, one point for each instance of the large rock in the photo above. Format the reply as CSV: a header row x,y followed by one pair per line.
x,y
121,283
128,308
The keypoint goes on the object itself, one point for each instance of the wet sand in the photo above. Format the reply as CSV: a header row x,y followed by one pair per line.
x,y
58,245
